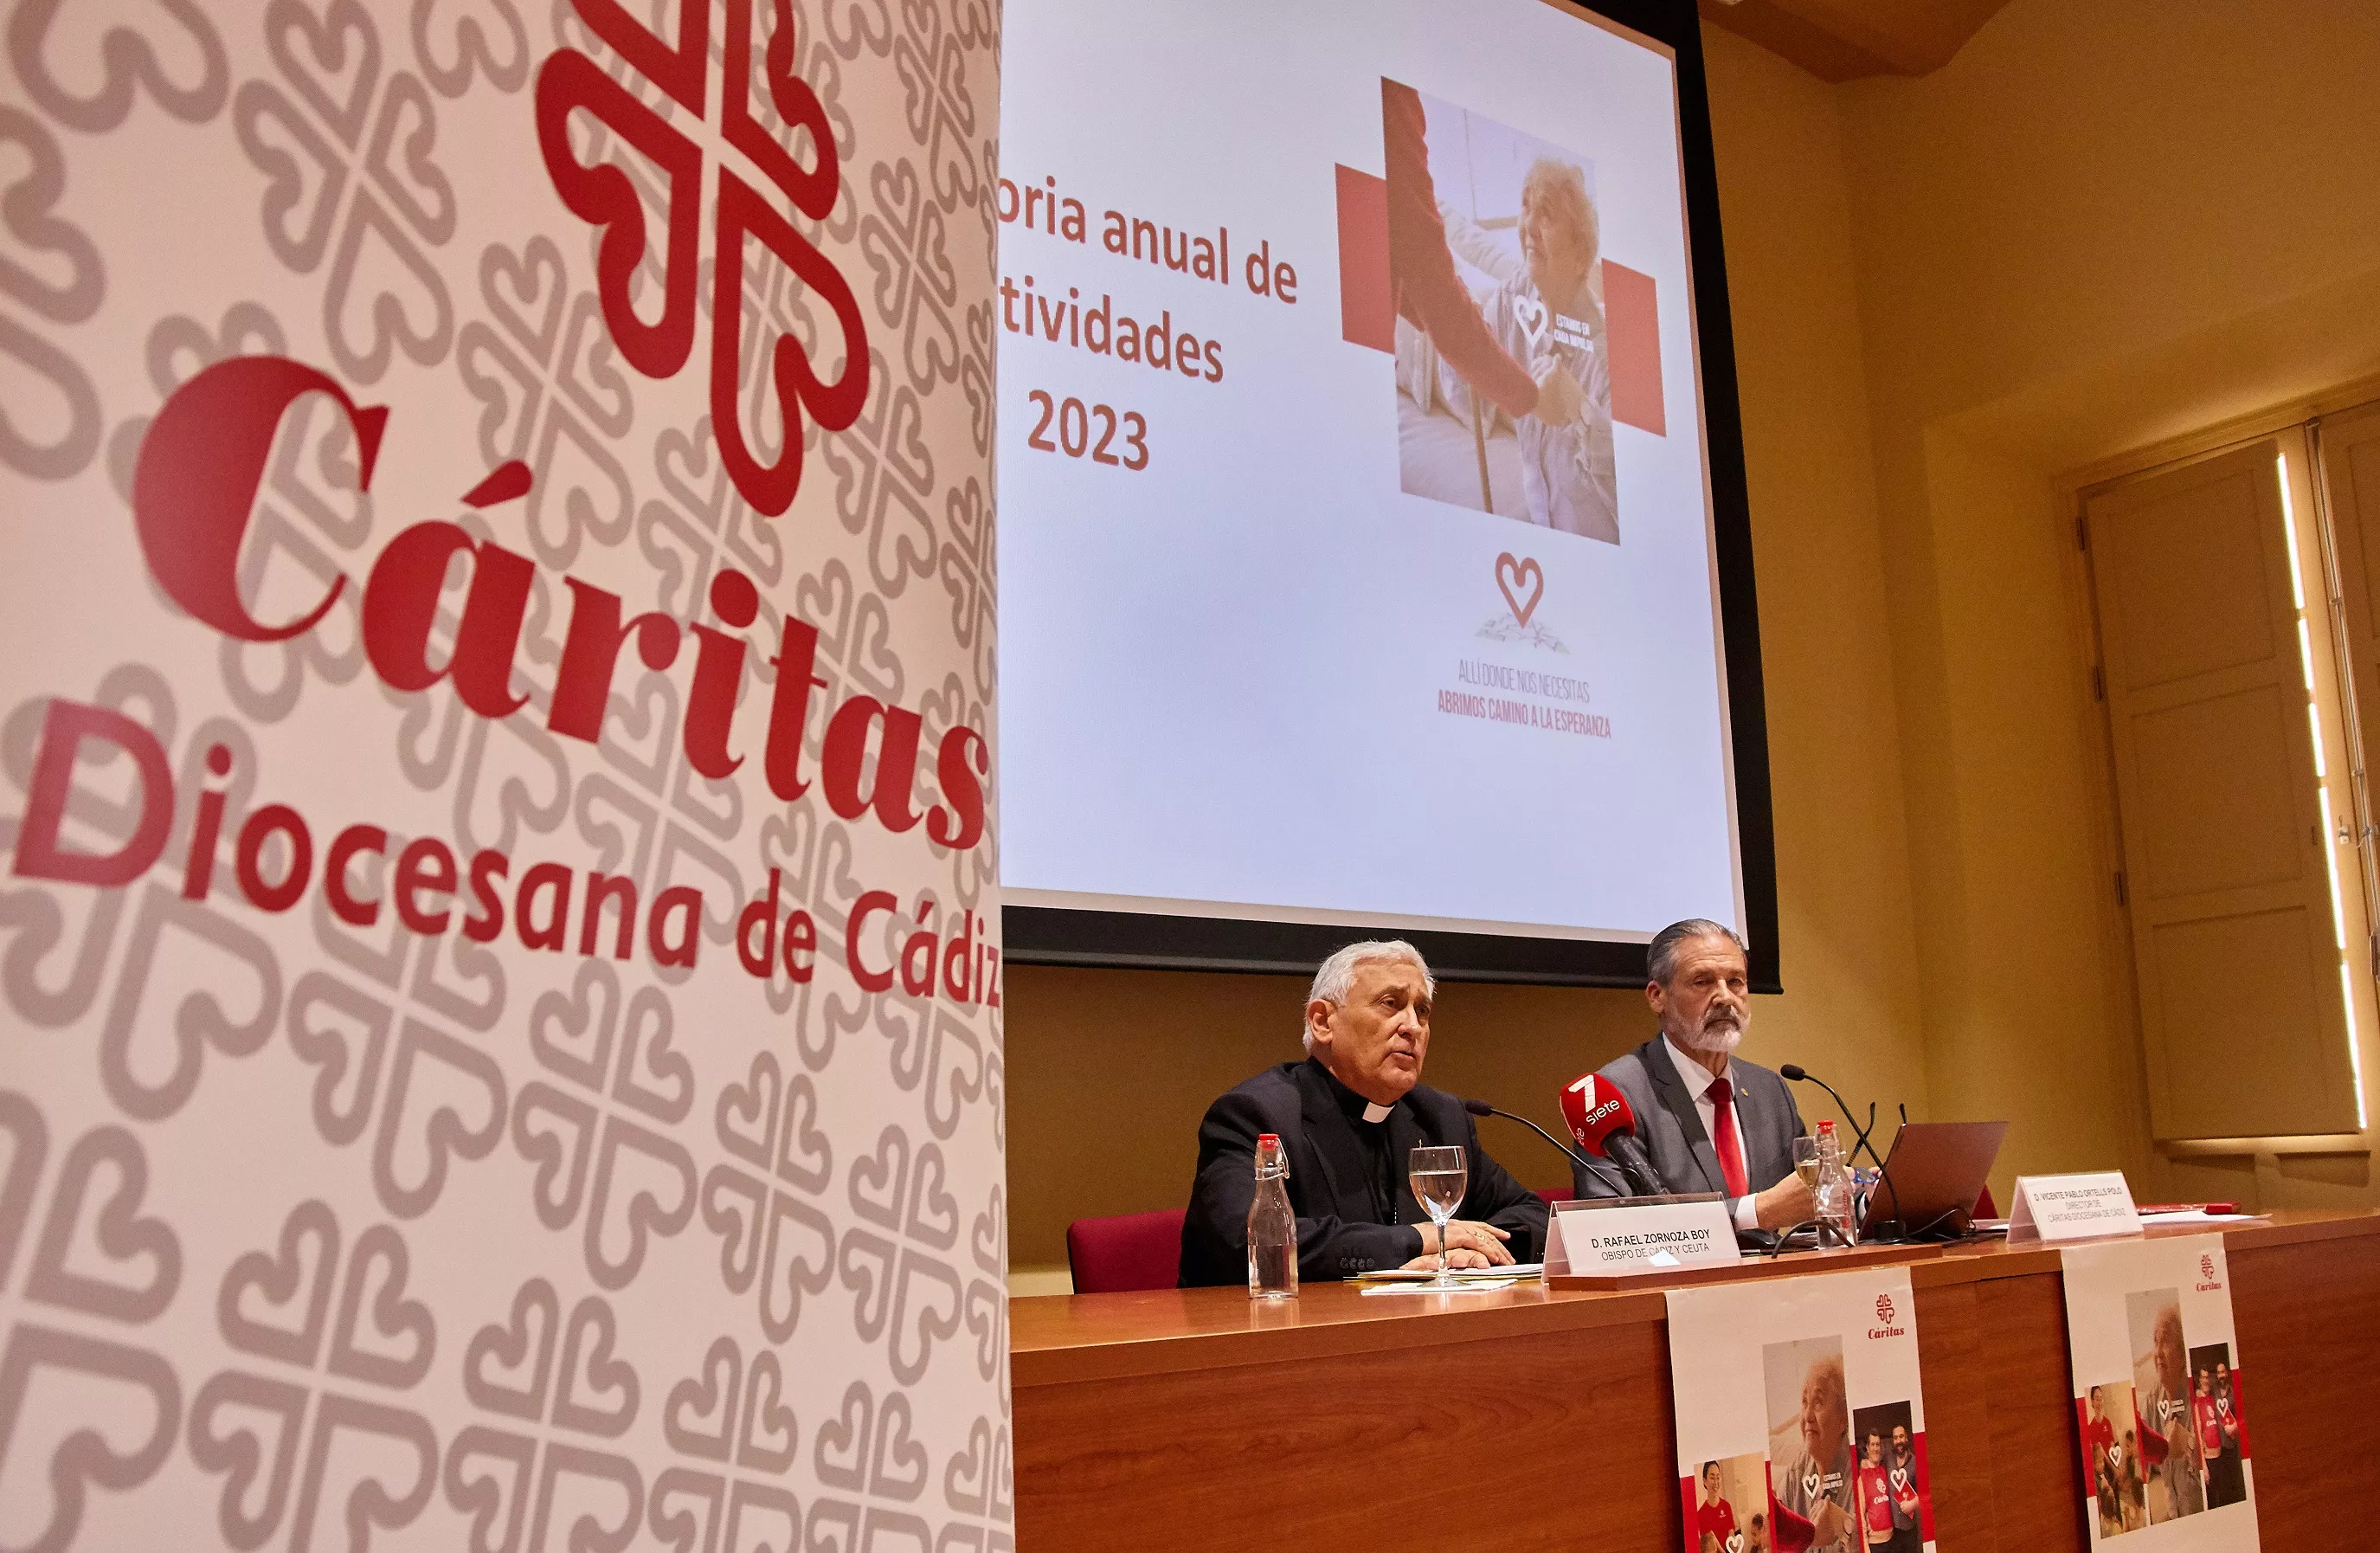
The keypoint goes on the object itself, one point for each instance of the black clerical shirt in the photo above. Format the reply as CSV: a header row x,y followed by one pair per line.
x,y
1372,1137
1347,1181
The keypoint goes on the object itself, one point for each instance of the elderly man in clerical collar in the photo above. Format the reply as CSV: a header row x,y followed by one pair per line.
x,y
1348,1117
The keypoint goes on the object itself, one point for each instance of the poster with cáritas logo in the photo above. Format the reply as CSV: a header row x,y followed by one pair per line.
x,y
2160,1395
1800,1422
499,947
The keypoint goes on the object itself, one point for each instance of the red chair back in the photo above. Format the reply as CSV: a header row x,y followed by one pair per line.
x,y
1127,1252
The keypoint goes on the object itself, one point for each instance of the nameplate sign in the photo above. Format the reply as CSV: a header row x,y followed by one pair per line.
x,y
1642,1237
2073,1207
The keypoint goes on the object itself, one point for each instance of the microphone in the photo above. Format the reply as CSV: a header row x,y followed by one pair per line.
x,y
1481,1108
1603,1123
1800,1074
1900,1225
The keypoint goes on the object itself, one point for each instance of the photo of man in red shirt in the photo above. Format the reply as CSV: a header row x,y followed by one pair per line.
x,y
1887,1482
2222,1438
1874,1494
2203,1414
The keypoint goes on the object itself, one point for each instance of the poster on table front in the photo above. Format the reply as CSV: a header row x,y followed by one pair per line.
x,y
498,930
2159,1396
1801,1423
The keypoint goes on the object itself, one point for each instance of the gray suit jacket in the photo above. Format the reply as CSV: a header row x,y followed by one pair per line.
x,y
1671,1130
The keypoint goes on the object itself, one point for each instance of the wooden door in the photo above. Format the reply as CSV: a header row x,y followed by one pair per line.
x,y
2208,678
2348,472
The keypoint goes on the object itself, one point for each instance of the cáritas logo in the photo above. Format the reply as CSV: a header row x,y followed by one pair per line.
x,y
743,156
1885,1311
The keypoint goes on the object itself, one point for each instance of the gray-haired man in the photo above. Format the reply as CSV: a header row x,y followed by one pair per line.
x,y
1711,1121
1347,1118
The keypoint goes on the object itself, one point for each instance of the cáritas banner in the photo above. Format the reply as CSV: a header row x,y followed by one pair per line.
x,y
499,951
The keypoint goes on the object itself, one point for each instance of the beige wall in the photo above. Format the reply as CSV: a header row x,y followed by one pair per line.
x,y
2099,226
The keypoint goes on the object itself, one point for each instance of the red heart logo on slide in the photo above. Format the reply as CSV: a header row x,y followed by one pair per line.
x,y
1510,576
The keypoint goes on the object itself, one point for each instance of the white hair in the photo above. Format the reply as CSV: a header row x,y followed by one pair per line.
x,y
1336,974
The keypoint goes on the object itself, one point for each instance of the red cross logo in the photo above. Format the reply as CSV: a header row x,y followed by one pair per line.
x,y
743,156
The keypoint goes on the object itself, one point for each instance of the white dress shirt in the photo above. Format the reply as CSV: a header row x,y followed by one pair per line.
x,y
1698,1080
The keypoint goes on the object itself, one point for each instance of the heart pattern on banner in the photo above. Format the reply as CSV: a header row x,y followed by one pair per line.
x,y
331,1231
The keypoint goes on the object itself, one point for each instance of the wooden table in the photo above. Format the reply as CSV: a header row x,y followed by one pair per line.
x,y
1199,1419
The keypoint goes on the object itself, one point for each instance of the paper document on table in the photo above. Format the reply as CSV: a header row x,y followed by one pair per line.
x,y
1468,1274
1460,1286
2199,1215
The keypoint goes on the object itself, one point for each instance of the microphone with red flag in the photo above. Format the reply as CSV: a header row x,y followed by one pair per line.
x,y
1605,1126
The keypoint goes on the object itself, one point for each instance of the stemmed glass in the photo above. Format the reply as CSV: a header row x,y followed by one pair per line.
x,y
1805,1165
1439,1176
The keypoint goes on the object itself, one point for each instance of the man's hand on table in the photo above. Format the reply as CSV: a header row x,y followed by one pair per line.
x,y
1468,1243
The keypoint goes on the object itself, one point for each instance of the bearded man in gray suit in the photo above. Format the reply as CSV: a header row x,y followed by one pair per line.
x,y
1711,1122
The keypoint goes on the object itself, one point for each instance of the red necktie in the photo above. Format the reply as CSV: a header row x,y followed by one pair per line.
x,y
1730,1153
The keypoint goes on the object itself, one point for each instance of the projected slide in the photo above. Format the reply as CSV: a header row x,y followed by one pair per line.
x,y
1356,549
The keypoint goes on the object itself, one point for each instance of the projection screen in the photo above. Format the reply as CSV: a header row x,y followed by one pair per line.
x,y
1373,554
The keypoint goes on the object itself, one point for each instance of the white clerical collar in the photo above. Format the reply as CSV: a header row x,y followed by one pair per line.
x,y
1697,1078
1373,1110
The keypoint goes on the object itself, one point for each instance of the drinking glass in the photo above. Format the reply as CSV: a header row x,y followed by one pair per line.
x,y
1439,1177
1805,1160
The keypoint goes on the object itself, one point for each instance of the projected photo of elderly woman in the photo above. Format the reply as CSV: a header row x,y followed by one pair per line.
x,y
1547,315
1517,229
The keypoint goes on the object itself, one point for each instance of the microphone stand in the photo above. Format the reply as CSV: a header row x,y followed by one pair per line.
x,y
1859,1142
1762,1240
1481,1108
1901,1234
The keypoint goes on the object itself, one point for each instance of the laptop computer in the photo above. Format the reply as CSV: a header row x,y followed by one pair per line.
x,y
1936,1170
